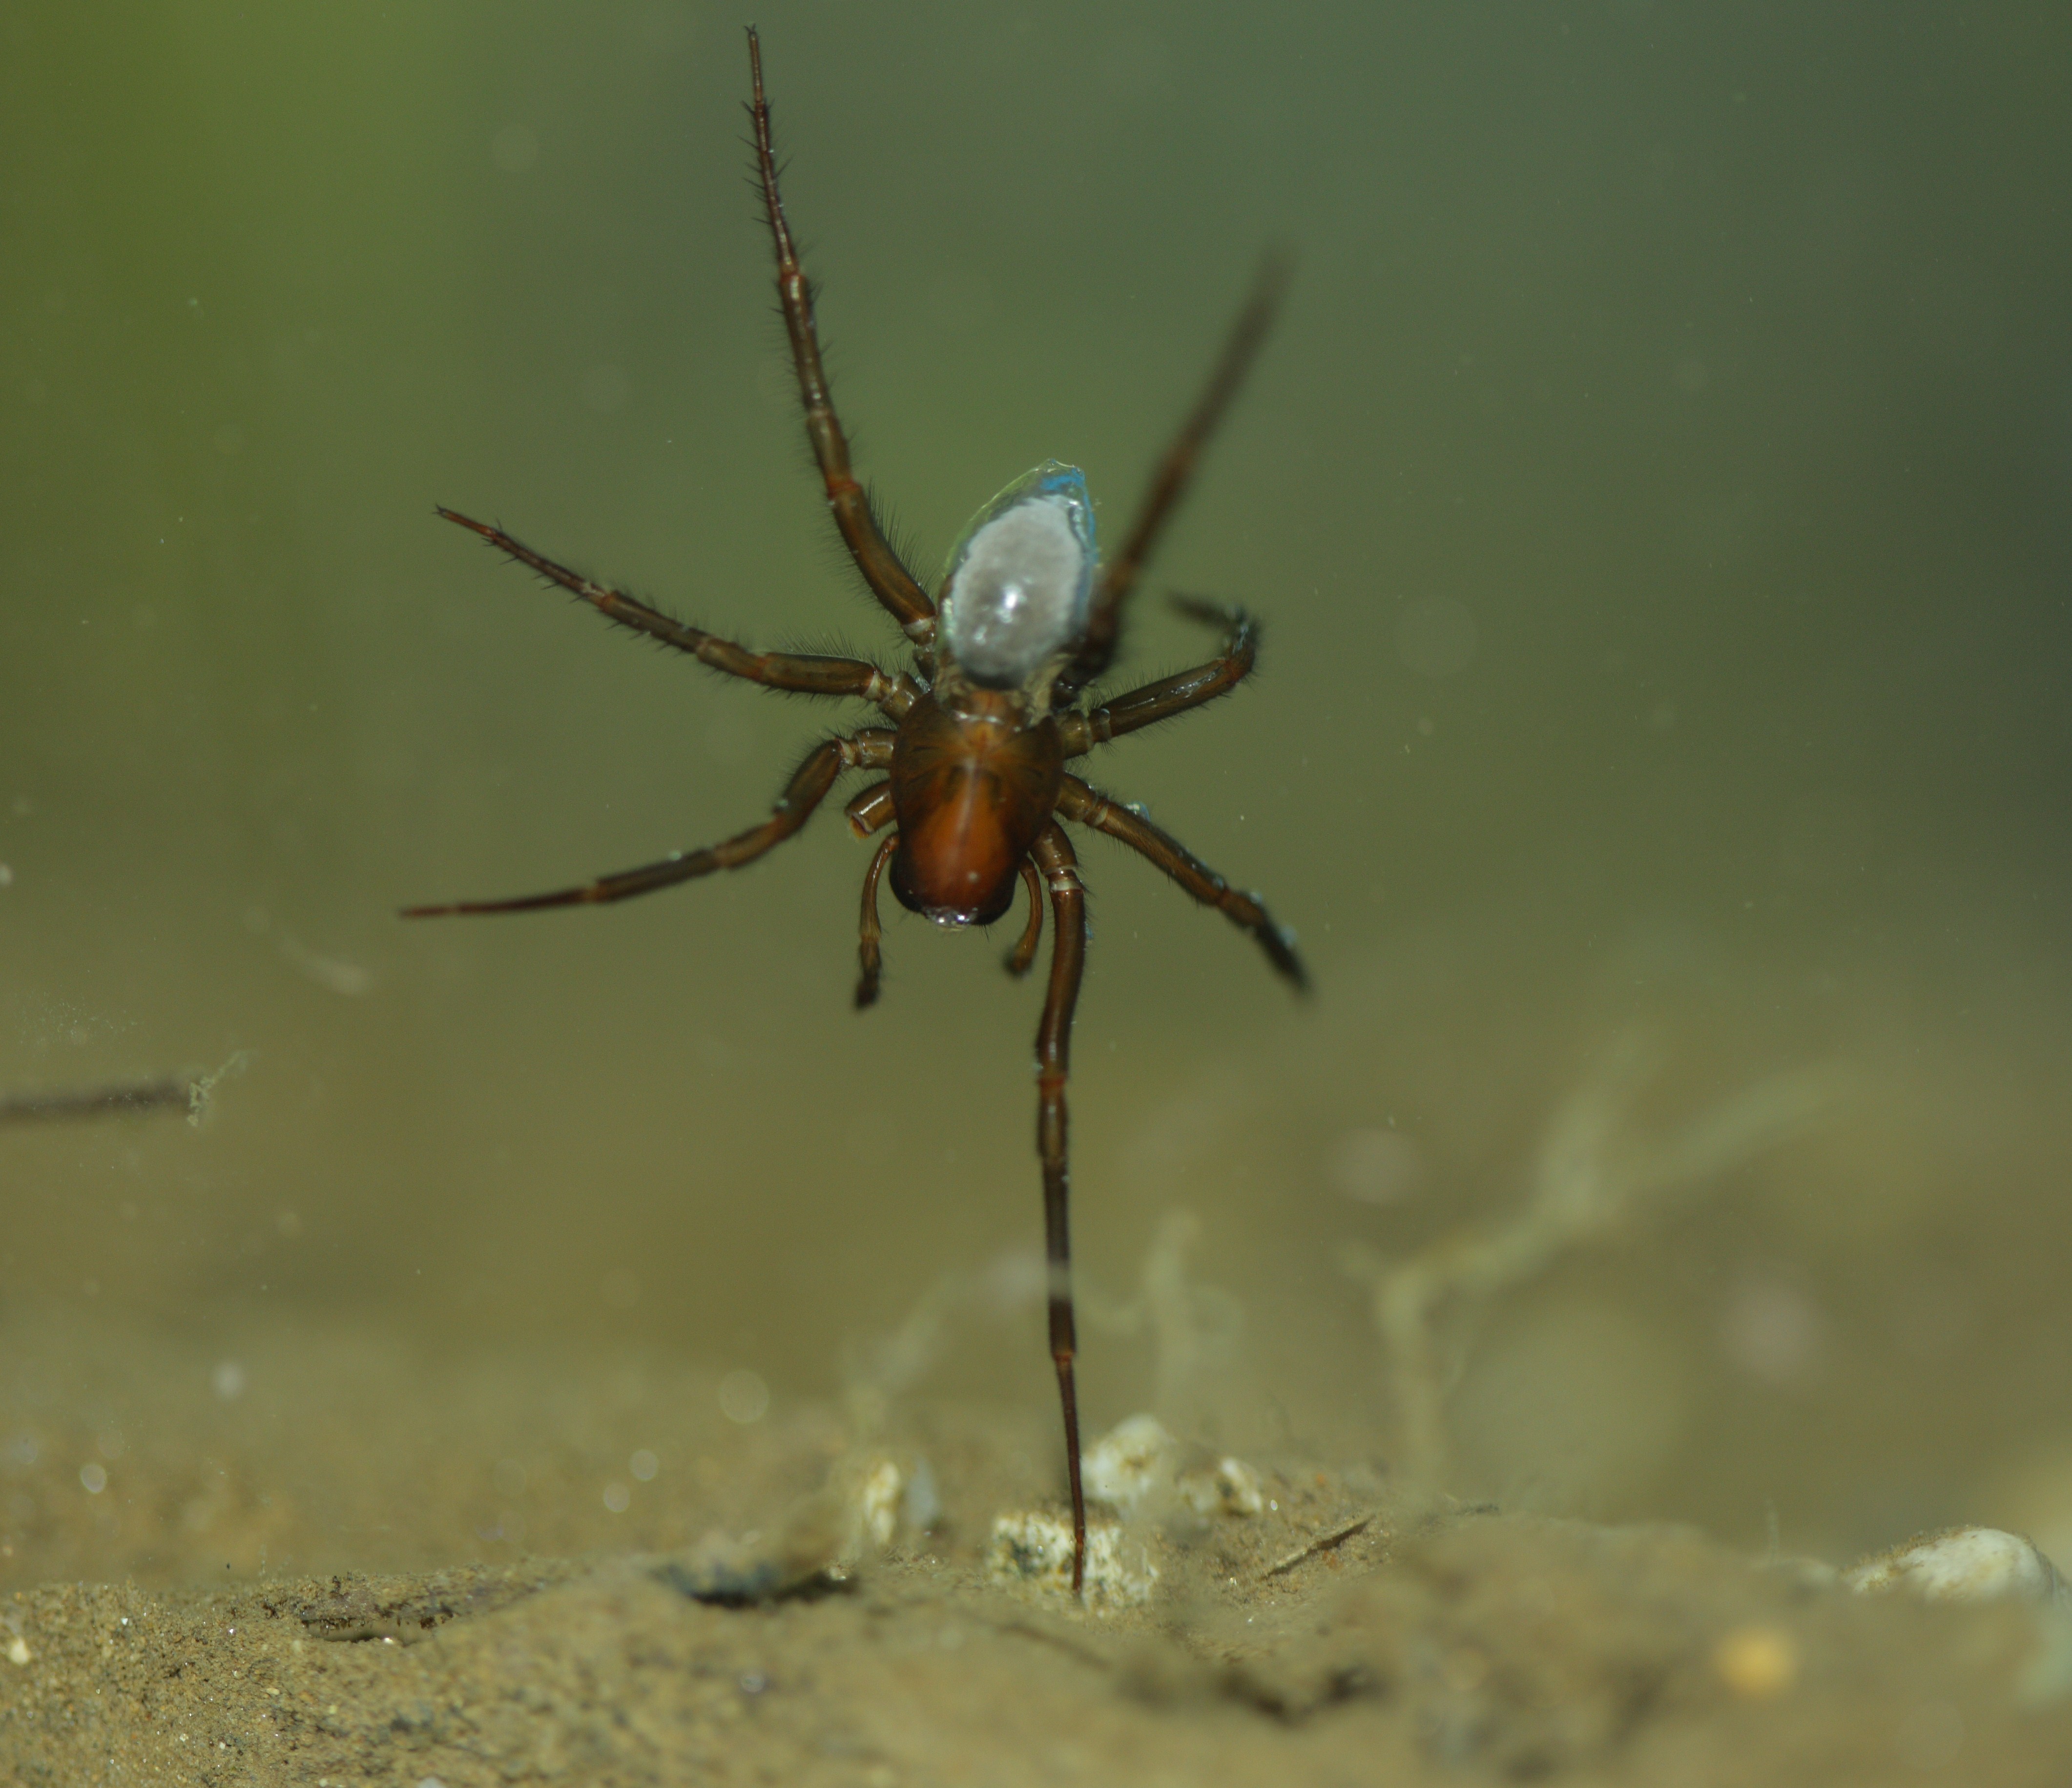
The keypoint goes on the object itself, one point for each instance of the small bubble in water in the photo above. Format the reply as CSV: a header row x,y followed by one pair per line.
x,y
743,1396
618,1498
227,1380
644,1464
94,1476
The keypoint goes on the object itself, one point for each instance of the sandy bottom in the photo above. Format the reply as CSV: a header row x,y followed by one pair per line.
x,y
286,1557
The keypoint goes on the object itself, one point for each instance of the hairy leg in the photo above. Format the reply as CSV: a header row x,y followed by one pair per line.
x,y
889,581
1080,733
807,789
1079,802
1169,482
803,674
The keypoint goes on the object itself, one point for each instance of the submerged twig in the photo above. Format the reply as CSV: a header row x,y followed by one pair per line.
x,y
1328,1541
168,1092
189,1091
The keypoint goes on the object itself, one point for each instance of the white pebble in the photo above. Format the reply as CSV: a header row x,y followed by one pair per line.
x,y
1028,1547
878,1488
922,1506
1230,1486
1132,1466
1962,1564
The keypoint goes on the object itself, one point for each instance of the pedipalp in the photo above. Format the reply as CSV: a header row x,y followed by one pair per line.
x,y
1023,955
870,960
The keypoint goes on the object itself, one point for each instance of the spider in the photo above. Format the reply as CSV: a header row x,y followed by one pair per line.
x,y
974,781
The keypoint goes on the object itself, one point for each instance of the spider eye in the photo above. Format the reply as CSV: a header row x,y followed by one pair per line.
x,y
1016,594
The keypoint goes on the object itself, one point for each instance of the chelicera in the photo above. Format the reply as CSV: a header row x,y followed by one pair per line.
x,y
973,778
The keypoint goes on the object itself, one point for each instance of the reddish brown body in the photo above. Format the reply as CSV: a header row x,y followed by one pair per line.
x,y
973,790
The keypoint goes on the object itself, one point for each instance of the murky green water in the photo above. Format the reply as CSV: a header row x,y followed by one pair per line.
x,y
1657,500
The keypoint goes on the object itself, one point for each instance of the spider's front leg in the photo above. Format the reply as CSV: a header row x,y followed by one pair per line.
x,y
1079,733
1169,481
869,749
1053,1043
889,581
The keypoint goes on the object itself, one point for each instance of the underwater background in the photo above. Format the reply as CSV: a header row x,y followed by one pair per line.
x,y
1657,498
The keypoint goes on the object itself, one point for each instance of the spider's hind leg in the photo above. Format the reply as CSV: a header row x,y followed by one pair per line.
x,y
870,749
1165,852
1054,1044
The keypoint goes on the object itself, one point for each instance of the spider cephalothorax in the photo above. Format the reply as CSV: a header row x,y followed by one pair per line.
x,y
974,782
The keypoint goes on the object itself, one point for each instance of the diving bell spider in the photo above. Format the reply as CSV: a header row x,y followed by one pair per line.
x,y
974,781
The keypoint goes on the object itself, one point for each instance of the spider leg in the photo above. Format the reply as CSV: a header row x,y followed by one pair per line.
x,y
1023,952
807,789
871,932
890,581
1169,483
804,674
1080,733
1077,801
1054,1043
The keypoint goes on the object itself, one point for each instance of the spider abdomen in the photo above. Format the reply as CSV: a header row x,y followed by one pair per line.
x,y
972,790
1015,598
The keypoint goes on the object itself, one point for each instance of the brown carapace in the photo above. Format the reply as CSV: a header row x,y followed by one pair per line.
x,y
983,723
